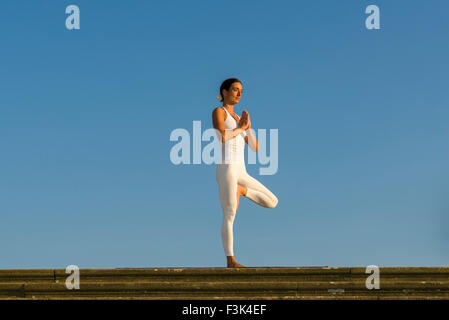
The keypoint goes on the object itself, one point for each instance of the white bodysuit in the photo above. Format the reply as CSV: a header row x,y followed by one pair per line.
x,y
230,173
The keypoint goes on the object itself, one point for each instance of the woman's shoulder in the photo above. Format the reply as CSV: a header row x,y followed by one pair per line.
x,y
218,110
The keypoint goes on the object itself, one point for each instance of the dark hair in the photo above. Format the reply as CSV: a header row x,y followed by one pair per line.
x,y
227,84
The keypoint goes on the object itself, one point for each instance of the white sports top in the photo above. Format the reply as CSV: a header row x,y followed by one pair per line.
x,y
233,150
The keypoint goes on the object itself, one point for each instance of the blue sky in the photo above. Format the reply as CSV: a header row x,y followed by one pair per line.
x,y
86,116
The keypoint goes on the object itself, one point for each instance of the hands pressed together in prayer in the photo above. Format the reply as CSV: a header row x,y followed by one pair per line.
x,y
245,122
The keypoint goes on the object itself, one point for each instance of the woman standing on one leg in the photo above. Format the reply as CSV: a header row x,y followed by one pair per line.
x,y
233,180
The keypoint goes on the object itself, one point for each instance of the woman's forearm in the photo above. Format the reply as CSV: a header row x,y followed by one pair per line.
x,y
252,141
231,133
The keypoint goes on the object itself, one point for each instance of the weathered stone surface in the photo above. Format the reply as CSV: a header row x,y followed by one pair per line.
x,y
228,283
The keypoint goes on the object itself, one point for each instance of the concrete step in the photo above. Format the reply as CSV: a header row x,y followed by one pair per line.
x,y
227,283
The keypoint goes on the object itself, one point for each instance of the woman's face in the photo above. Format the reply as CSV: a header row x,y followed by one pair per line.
x,y
233,95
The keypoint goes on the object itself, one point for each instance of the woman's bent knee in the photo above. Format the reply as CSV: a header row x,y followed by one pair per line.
x,y
274,202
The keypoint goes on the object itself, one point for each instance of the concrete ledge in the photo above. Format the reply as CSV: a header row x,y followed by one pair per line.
x,y
227,283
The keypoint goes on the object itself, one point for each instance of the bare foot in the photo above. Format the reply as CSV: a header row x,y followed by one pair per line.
x,y
241,191
233,264
236,265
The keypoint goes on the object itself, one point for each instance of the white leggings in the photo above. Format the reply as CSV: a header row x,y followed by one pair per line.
x,y
228,176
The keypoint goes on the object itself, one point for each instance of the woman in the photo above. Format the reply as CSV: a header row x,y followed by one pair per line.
x,y
233,180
